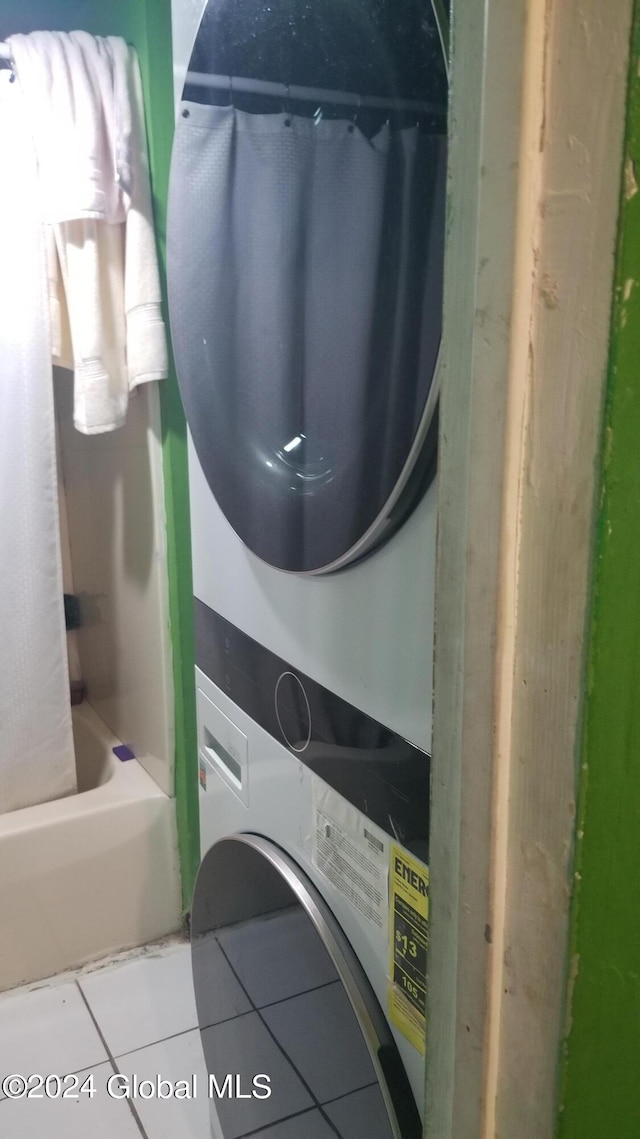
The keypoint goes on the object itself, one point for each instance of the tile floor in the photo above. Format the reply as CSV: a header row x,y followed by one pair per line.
x,y
136,1015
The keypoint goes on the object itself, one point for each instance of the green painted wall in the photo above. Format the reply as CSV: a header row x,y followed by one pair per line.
x,y
600,1096
156,62
147,25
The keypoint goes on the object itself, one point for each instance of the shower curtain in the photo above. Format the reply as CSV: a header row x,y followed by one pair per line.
x,y
36,744
305,276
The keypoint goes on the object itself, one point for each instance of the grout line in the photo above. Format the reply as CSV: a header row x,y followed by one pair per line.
x,y
225,1020
352,1091
112,1061
278,1045
171,1036
285,1119
307,1110
270,1004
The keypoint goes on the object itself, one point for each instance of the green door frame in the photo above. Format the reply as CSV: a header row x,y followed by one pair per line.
x,y
600,1080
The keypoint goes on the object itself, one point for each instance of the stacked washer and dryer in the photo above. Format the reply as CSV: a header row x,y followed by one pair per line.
x,y
305,250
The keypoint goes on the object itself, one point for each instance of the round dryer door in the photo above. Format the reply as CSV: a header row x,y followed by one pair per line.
x,y
305,255
294,1040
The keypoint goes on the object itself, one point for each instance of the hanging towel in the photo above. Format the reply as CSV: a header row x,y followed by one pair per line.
x,y
103,280
80,115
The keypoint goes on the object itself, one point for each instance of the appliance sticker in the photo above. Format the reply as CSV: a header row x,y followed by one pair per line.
x,y
351,852
409,925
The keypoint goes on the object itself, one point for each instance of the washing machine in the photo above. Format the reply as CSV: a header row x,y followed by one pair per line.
x,y
305,248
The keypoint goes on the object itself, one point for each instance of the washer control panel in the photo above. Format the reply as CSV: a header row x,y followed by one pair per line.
x,y
383,775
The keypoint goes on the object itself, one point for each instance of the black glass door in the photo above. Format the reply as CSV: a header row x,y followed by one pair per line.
x,y
284,1007
305,269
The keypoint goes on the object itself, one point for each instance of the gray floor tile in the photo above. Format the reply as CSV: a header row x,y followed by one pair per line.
x,y
361,1115
320,1033
219,995
311,1125
244,1048
278,957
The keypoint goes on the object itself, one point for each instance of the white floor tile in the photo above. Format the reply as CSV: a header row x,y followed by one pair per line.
x,y
142,1001
177,1059
47,1030
99,1116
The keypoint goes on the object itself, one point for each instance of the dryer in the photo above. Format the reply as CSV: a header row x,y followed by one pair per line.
x,y
313,512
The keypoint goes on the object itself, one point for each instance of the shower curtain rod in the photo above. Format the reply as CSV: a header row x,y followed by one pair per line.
x,y
309,94
304,94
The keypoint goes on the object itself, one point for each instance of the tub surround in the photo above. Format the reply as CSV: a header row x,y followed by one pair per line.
x,y
117,549
89,874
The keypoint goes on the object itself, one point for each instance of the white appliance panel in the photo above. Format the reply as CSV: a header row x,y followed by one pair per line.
x,y
281,808
366,633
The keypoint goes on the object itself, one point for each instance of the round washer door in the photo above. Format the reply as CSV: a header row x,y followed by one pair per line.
x,y
287,1016
305,259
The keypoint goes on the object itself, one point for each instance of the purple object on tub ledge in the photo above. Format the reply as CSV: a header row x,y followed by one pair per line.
x,y
123,752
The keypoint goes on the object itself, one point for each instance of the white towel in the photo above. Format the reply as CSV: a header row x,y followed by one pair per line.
x,y
75,89
146,339
104,284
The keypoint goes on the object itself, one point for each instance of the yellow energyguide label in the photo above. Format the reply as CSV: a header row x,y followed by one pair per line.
x,y
409,929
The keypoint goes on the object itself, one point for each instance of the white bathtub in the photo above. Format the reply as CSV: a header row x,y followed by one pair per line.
x,y
83,876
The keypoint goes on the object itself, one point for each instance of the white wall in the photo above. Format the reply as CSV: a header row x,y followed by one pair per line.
x,y
75,671
116,524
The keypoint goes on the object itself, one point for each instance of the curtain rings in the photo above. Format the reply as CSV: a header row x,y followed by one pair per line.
x,y
357,111
286,106
354,122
